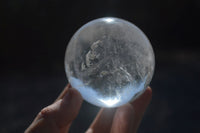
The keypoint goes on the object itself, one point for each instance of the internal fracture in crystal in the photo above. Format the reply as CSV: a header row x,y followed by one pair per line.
x,y
109,61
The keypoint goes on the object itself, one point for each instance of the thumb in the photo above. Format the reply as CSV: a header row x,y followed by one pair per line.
x,y
57,117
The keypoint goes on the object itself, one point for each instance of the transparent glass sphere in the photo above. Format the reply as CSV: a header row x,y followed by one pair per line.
x,y
109,61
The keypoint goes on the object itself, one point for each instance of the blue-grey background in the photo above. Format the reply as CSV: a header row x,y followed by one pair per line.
x,y
33,38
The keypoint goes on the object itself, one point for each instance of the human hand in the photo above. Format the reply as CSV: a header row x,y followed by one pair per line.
x,y
57,117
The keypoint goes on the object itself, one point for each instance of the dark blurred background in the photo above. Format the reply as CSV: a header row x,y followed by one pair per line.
x,y
33,38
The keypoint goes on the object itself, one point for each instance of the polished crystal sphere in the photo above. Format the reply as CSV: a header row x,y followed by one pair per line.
x,y
109,61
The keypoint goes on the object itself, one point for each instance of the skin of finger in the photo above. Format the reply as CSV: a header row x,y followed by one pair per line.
x,y
128,117
58,116
62,94
42,126
103,121
123,119
139,106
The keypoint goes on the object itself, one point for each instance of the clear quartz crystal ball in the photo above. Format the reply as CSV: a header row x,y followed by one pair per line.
x,y
109,61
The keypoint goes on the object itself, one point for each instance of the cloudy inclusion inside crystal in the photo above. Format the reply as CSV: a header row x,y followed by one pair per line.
x,y
109,61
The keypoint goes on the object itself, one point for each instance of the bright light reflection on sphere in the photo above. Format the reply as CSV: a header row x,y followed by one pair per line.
x,y
109,61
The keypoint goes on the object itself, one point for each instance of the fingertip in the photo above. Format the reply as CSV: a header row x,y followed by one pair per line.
x,y
69,107
139,105
89,131
149,91
123,119
62,94
125,113
143,99
73,97
76,93
103,121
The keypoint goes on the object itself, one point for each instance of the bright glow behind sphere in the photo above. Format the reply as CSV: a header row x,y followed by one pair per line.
x,y
109,61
